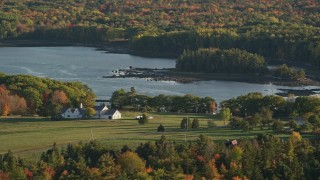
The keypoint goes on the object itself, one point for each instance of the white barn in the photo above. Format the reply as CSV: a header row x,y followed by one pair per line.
x,y
113,114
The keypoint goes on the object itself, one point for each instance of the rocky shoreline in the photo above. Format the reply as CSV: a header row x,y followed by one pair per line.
x,y
170,74
298,92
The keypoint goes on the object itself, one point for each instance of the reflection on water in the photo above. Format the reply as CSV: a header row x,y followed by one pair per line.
x,y
87,65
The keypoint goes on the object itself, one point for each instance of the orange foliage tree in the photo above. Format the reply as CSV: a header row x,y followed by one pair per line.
x,y
11,104
5,109
59,97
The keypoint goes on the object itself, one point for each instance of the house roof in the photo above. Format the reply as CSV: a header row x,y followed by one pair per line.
x,y
99,108
64,109
81,110
111,112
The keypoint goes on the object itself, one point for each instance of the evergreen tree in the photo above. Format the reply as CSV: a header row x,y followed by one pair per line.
x,y
185,123
195,123
160,128
143,119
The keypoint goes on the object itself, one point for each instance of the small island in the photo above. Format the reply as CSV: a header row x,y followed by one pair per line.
x,y
227,65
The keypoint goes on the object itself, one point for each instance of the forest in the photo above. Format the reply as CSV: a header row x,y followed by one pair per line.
x,y
234,61
30,95
264,157
274,29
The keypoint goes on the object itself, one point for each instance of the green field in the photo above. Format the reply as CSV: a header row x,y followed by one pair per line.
x,y
28,136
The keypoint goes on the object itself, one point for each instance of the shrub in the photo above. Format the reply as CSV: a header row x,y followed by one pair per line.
x,y
143,119
195,123
161,128
211,124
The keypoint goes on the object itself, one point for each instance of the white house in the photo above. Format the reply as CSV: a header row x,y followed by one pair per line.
x,y
112,114
72,113
100,111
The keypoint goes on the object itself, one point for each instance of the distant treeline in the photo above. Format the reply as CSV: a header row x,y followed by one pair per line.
x,y
264,157
187,103
42,96
252,103
298,44
76,34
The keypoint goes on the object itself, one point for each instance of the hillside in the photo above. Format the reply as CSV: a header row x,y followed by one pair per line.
x,y
281,30
122,19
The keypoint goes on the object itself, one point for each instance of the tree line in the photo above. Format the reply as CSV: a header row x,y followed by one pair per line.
x,y
165,103
274,112
264,157
251,103
24,94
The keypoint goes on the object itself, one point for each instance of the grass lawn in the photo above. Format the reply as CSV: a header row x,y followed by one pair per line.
x,y
29,136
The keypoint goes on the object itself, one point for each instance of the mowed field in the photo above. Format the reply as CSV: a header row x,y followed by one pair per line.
x,y
26,136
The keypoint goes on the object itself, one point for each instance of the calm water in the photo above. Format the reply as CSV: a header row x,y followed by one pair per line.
x,y
88,66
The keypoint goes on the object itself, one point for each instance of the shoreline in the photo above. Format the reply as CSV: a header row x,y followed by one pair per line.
x,y
117,47
169,74
300,92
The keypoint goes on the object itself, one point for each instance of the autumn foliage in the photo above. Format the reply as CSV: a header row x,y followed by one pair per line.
x,y
11,104
24,94
265,157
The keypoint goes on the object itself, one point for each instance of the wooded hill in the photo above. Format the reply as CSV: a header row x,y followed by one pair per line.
x,y
274,29
153,16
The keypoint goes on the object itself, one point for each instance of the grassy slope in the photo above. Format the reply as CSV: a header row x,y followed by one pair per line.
x,y
30,136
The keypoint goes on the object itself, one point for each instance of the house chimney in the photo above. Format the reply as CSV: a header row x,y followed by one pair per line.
x,y
81,106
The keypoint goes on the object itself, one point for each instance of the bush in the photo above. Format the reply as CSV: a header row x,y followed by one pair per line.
x,y
211,124
161,128
236,123
195,123
307,126
277,126
144,119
